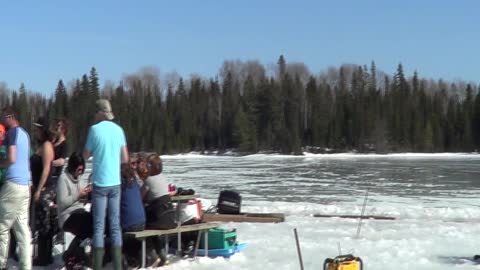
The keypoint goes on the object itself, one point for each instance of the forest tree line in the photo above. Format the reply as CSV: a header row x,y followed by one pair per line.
x,y
288,110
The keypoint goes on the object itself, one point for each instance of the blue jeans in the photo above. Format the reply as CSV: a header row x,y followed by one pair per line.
x,y
106,199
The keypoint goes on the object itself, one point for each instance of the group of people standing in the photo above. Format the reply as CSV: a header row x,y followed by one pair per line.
x,y
22,174
34,182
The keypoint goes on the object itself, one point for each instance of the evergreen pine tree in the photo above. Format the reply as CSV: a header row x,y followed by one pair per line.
x,y
476,121
60,105
94,85
282,67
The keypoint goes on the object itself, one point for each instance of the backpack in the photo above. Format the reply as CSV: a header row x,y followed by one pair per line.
x,y
161,214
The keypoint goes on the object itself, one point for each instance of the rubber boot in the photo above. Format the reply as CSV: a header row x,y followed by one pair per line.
x,y
163,257
98,258
45,246
74,245
117,258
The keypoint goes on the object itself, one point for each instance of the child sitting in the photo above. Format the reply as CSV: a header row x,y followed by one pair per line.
x,y
159,209
156,194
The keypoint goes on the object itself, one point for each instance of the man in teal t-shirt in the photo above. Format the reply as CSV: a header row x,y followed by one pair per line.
x,y
106,143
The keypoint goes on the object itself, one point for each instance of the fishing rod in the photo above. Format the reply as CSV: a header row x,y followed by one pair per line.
x,y
299,252
362,214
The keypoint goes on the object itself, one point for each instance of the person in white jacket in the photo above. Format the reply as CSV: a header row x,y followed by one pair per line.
x,y
72,194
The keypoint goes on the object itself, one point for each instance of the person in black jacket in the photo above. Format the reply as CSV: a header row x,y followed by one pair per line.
x,y
43,219
59,147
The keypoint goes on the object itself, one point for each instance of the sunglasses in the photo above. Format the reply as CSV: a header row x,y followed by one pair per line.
x,y
80,170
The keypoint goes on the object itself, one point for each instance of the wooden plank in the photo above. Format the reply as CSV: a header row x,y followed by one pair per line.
x,y
186,228
270,215
245,217
182,198
354,216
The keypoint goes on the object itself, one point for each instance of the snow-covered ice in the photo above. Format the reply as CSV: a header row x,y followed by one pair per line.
x,y
434,198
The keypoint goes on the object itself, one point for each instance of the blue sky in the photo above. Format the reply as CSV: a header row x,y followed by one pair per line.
x,y
44,41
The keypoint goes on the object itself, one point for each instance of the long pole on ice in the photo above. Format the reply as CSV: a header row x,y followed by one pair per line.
x,y
361,216
298,248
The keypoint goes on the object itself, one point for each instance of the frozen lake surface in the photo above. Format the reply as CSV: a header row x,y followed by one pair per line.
x,y
434,198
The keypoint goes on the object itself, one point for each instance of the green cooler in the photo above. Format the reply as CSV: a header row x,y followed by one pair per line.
x,y
219,238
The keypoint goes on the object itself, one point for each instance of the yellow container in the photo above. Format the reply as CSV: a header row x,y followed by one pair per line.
x,y
343,262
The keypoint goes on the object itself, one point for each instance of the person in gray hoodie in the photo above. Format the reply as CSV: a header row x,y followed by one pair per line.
x,y
72,194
